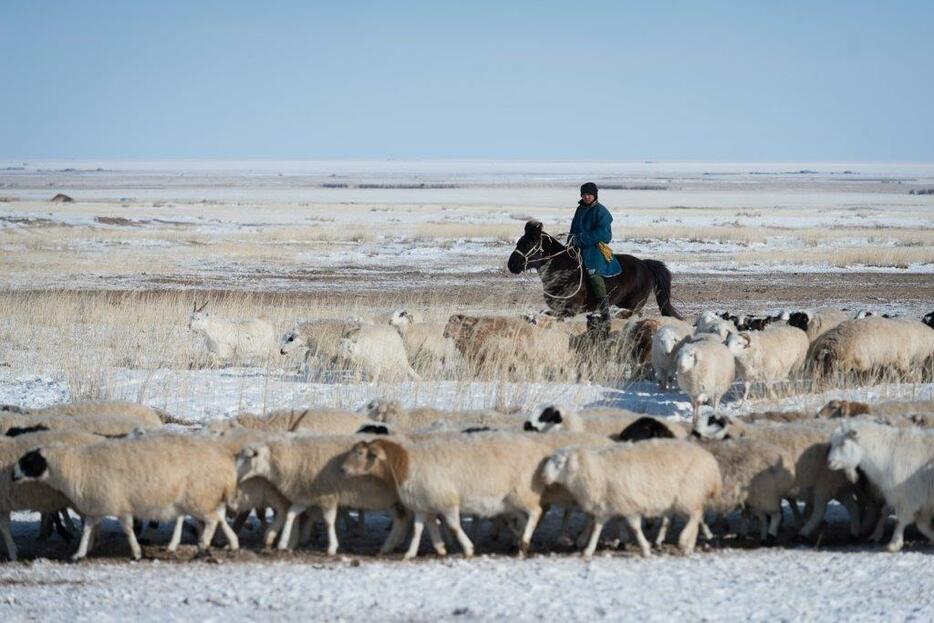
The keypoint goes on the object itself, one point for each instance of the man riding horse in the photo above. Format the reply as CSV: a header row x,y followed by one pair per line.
x,y
591,234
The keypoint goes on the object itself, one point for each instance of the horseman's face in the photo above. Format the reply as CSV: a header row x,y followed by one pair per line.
x,y
588,199
528,252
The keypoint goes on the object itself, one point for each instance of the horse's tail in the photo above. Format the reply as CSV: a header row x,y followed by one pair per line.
x,y
663,288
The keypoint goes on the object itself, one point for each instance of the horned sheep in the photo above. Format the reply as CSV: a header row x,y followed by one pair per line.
x,y
232,340
768,356
652,479
163,477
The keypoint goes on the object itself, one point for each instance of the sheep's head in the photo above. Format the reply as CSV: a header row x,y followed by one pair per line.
x,y
373,429
843,409
799,319
646,428
713,427
381,410
253,461
928,319
400,318
552,417
364,458
667,338
31,466
559,465
291,342
845,452
198,316
687,359
13,409
739,343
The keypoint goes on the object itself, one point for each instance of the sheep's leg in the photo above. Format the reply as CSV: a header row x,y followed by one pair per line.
x,y
400,525
330,521
290,515
7,536
453,520
563,538
585,535
664,523
434,533
763,527
207,535
879,532
775,520
361,523
87,531
417,528
688,537
696,419
307,530
126,522
924,525
746,387
898,536
818,507
705,530
594,536
45,526
853,509
274,528
233,542
531,523
795,511
240,521
176,534
635,526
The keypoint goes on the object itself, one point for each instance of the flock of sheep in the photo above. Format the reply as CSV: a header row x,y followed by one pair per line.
x,y
432,469
429,468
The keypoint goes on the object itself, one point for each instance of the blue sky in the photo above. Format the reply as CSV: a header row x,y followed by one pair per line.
x,y
741,80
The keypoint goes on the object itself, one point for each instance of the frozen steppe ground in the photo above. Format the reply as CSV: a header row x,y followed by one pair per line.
x,y
330,239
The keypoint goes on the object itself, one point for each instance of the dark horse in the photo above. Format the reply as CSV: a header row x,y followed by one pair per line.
x,y
567,290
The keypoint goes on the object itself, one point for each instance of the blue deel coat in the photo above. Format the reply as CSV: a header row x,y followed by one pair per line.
x,y
591,225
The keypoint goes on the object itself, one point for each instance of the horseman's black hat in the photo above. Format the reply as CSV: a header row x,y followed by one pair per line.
x,y
589,189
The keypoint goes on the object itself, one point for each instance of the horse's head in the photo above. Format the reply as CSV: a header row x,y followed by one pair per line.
x,y
528,252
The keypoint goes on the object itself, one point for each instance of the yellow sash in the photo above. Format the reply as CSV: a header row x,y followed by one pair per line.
x,y
606,251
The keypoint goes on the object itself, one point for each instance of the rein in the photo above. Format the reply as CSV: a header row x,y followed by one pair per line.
x,y
538,248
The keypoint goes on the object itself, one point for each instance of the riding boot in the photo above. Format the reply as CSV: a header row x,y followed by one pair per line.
x,y
605,309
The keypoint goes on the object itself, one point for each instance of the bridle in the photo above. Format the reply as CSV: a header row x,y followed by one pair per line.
x,y
538,248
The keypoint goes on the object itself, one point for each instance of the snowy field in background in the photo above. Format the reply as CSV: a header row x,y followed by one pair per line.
x,y
372,227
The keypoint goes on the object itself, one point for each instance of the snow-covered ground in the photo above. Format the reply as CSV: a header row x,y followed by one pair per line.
x,y
378,232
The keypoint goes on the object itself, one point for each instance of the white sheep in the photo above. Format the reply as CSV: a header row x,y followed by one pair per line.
x,y
231,340
33,496
425,344
162,477
318,421
484,474
815,324
804,447
146,415
377,351
428,419
656,478
665,343
898,462
768,356
306,470
706,371
871,344
710,322
108,424
604,422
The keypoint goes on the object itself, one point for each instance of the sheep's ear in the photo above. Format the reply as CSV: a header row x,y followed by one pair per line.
x,y
852,434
